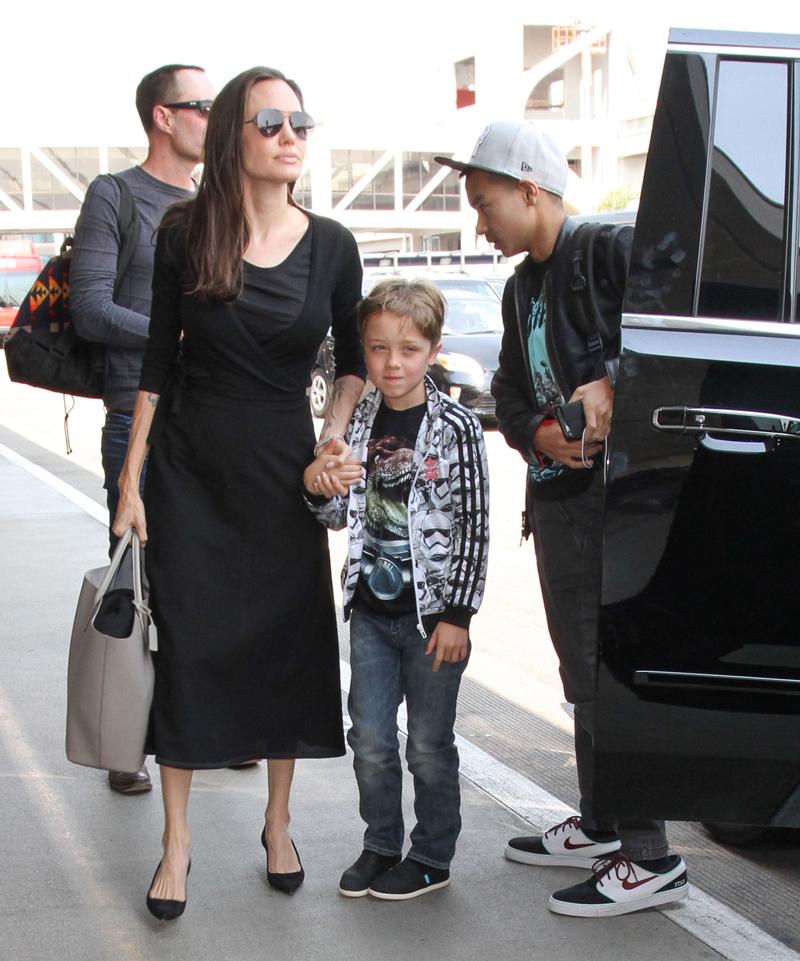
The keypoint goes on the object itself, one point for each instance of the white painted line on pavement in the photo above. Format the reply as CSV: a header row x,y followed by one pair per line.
x,y
66,490
702,916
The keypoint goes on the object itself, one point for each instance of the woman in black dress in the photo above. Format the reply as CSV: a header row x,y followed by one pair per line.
x,y
245,287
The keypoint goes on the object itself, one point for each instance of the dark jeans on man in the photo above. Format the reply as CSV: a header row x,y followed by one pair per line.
x,y
388,662
568,536
113,447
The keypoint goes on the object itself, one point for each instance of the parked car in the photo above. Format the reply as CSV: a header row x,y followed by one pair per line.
x,y
698,711
470,347
497,283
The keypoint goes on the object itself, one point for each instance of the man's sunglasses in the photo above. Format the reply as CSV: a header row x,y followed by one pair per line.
x,y
269,122
201,106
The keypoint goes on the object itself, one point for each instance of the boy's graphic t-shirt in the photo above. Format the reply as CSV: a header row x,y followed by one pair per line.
x,y
385,583
548,393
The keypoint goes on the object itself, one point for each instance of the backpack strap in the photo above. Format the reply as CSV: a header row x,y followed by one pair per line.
x,y
128,221
582,282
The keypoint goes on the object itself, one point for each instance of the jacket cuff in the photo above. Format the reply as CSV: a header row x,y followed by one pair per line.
x,y
537,457
315,500
457,616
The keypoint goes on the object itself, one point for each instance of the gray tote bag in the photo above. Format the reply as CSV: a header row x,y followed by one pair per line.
x,y
110,674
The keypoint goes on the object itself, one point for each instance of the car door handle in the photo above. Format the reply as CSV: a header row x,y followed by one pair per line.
x,y
701,680
753,432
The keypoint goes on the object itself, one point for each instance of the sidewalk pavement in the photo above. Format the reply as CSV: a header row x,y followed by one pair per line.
x,y
77,858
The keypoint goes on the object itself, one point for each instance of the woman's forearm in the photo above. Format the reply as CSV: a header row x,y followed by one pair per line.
x,y
344,396
143,413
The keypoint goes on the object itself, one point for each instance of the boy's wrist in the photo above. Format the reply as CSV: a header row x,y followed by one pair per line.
x,y
457,616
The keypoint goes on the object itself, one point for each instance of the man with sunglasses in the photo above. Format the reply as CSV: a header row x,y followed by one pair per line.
x,y
173,103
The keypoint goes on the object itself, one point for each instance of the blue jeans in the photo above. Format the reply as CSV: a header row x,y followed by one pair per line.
x,y
113,448
388,663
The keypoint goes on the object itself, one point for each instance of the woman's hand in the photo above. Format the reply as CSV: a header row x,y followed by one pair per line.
x,y
130,513
451,644
333,471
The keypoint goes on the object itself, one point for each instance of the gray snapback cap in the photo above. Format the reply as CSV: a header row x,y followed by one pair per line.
x,y
514,148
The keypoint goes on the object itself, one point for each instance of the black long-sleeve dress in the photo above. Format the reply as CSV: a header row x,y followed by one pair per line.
x,y
239,571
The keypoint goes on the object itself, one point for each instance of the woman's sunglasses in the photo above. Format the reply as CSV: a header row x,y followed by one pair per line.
x,y
269,122
201,106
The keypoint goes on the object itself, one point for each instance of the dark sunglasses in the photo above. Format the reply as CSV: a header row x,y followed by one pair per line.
x,y
269,122
201,106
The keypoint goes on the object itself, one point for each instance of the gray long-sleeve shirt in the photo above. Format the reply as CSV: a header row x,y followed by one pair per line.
x,y
122,324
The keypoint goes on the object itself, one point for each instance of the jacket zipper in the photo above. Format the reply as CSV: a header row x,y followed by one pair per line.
x,y
552,352
524,345
420,628
422,452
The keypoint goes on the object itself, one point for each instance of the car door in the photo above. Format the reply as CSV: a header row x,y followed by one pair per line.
x,y
698,710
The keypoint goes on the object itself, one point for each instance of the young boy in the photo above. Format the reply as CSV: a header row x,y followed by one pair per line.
x,y
417,514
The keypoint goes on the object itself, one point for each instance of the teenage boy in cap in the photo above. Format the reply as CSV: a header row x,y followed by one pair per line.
x,y
515,180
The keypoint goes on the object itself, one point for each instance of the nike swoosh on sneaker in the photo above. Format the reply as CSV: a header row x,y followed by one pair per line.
x,y
571,846
630,885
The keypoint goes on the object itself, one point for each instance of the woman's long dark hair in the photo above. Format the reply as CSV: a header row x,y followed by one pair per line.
x,y
217,231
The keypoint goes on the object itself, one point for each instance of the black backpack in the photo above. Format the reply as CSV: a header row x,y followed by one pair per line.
x,y
582,282
41,347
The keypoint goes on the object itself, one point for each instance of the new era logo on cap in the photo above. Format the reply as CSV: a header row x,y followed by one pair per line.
x,y
517,149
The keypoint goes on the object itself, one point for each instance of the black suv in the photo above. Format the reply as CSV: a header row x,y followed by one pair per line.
x,y
699,672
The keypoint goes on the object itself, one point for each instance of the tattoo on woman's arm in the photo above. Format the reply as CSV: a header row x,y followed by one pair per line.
x,y
336,394
152,400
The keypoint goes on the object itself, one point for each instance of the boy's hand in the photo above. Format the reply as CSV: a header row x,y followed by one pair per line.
x,y
597,398
330,474
549,440
451,644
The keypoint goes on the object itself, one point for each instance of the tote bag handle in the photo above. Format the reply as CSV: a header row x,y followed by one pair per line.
x,y
129,539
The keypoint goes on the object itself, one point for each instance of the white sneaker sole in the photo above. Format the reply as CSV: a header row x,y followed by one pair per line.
x,y
615,908
353,894
413,894
554,860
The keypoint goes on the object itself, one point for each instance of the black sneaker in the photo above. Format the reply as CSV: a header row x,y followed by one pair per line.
x,y
407,880
357,878
619,886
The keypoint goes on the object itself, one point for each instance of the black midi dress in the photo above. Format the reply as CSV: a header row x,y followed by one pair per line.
x,y
247,663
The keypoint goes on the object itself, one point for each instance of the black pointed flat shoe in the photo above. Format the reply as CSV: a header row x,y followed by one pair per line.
x,y
289,881
165,909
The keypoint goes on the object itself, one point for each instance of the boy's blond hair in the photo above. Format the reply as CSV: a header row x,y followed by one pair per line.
x,y
419,300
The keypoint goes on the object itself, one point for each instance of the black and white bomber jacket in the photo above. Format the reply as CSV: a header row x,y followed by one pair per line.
x,y
448,509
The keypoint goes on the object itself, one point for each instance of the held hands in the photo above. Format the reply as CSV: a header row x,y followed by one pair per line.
x,y
597,398
333,471
450,643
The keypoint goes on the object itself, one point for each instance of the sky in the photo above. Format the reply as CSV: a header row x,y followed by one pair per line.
x,y
68,72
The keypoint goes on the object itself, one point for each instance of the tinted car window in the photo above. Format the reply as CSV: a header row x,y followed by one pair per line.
x,y
743,261
663,274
